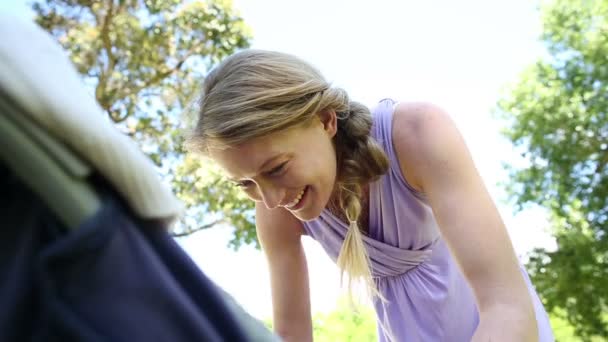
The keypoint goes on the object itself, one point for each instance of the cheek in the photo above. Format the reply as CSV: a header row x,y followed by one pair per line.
x,y
306,174
327,167
322,175
321,166
253,194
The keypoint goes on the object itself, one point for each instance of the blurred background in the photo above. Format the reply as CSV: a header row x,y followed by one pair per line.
x,y
525,81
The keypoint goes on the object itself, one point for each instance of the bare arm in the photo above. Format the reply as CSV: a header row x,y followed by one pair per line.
x,y
435,158
280,236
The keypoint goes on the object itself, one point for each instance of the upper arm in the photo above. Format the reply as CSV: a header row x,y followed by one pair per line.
x,y
434,156
280,237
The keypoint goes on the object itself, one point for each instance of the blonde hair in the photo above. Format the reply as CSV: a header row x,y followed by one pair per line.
x,y
253,93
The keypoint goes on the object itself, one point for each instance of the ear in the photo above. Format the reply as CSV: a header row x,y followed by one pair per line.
x,y
329,120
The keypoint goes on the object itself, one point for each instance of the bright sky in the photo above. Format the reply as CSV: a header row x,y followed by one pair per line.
x,y
457,54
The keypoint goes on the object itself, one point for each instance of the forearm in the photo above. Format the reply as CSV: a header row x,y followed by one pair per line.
x,y
505,307
506,322
291,295
503,298
295,332
501,289
493,270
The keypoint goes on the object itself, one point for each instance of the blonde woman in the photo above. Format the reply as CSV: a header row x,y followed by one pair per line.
x,y
392,196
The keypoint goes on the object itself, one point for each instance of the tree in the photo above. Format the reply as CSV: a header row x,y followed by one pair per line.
x,y
145,61
557,116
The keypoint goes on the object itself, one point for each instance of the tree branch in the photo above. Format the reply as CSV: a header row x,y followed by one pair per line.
x,y
107,46
116,118
203,227
162,75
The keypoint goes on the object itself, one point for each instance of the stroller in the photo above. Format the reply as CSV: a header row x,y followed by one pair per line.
x,y
84,250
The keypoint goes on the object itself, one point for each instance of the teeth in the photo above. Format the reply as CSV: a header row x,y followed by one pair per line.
x,y
296,200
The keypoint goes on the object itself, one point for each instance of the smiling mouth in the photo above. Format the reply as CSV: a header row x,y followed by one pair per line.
x,y
296,200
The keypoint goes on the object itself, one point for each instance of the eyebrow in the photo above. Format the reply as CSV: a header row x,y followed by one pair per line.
x,y
264,166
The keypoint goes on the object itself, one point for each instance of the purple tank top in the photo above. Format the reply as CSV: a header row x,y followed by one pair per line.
x,y
428,299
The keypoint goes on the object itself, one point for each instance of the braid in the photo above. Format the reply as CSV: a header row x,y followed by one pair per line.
x,y
360,161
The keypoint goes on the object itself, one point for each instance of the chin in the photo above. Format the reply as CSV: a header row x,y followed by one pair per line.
x,y
305,217
308,214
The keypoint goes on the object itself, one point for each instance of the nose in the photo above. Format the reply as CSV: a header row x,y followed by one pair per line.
x,y
271,195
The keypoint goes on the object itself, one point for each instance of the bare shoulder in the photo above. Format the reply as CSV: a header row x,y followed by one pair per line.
x,y
423,133
277,227
417,122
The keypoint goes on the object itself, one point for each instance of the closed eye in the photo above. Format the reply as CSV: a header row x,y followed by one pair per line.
x,y
243,184
277,170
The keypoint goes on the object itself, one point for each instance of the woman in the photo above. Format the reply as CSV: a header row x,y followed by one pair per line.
x,y
393,197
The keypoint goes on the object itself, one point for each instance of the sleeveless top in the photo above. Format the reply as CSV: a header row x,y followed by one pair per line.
x,y
427,296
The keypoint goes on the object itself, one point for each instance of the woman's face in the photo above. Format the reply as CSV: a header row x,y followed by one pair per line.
x,y
294,169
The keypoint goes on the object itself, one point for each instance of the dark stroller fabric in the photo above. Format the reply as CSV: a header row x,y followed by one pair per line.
x,y
113,279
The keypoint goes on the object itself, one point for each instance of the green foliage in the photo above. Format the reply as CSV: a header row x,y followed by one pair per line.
x,y
564,331
557,116
145,61
343,324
